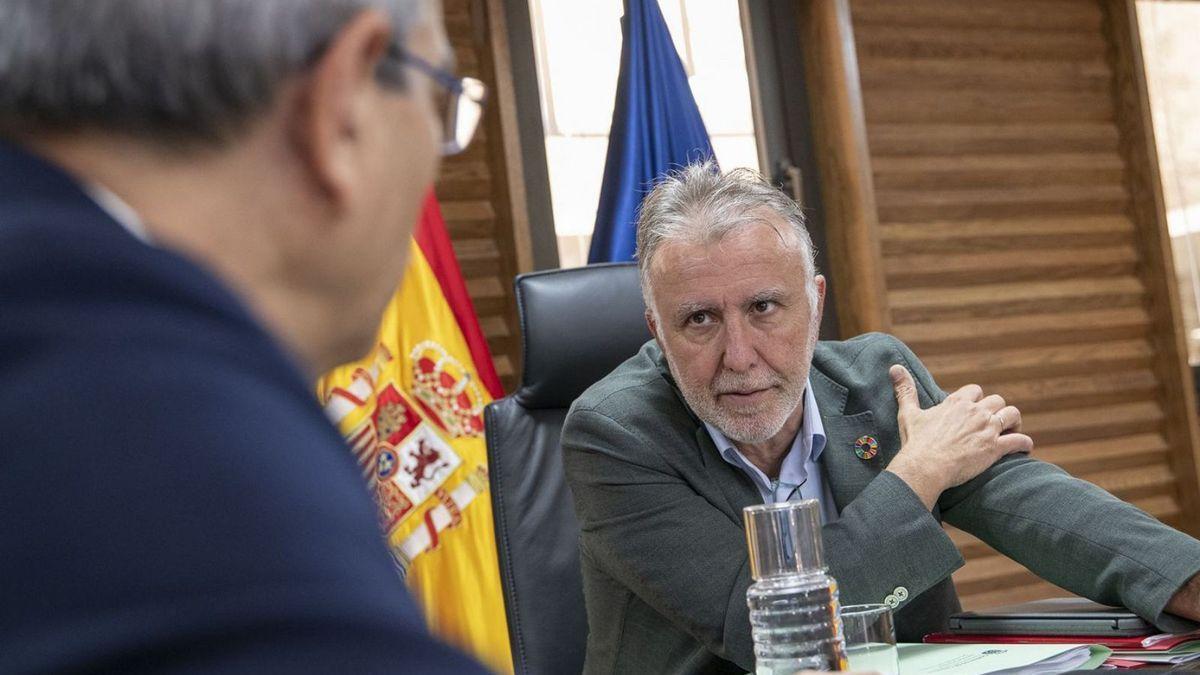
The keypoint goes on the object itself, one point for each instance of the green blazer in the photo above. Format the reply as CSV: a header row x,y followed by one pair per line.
x,y
665,568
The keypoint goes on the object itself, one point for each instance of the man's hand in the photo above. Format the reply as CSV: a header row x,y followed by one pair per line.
x,y
954,441
1186,601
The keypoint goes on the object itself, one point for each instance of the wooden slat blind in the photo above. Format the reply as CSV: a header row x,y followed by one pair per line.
x,y
476,191
1021,249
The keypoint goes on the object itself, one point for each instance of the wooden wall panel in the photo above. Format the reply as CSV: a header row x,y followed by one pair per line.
x,y
480,192
839,135
1021,236
1137,141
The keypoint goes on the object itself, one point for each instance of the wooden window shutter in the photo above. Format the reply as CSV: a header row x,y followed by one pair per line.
x,y
992,199
480,191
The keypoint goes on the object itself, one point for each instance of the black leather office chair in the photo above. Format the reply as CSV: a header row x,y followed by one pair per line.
x,y
576,326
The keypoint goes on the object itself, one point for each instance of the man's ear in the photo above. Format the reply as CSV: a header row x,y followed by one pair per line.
x,y
333,100
652,324
819,282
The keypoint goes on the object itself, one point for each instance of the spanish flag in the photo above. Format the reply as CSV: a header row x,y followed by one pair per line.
x,y
412,413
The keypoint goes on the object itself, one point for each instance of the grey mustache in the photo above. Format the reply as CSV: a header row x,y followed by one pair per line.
x,y
733,388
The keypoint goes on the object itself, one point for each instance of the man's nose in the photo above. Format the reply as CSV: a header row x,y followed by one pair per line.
x,y
740,354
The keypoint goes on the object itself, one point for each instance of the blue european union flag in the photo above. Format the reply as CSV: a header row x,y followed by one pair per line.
x,y
656,127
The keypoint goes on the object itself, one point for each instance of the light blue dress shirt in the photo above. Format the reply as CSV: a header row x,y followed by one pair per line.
x,y
800,474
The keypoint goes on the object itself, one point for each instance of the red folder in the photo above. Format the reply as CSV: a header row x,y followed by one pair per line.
x,y
1160,642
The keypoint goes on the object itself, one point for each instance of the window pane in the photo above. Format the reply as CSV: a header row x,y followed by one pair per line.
x,y
579,51
1171,51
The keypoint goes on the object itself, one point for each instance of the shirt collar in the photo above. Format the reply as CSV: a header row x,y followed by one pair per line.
x,y
119,210
807,446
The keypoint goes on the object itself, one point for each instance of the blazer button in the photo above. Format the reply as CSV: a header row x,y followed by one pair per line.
x,y
901,593
891,601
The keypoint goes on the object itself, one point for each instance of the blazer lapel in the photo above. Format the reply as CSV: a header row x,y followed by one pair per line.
x,y
736,486
845,472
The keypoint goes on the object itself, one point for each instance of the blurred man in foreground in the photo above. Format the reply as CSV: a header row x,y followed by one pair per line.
x,y
735,402
202,206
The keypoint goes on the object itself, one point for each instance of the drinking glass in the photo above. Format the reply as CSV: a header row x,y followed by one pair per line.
x,y
870,638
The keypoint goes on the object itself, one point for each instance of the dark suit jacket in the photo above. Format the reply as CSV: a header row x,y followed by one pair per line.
x,y
664,555
173,497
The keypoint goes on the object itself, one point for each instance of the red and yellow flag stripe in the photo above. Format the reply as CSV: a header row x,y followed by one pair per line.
x,y
412,412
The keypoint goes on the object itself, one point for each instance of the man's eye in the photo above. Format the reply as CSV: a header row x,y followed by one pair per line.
x,y
763,306
698,319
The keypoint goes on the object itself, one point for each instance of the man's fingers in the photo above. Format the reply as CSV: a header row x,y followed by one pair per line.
x,y
1010,443
993,404
970,392
1010,418
906,389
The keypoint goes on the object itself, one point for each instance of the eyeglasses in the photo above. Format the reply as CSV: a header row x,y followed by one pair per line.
x,y
460,106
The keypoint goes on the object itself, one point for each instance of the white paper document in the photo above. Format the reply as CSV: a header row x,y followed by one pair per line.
x,y
1157,657
998,659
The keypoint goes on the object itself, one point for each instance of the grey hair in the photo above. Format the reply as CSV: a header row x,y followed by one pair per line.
x,y
698,204
188,69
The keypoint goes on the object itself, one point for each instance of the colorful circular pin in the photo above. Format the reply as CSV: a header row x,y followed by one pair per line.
x,y
866,447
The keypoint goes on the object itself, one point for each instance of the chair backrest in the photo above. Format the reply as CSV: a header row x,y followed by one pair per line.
x,y
576,326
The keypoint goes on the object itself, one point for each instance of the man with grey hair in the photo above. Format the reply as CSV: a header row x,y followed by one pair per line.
x,y
735,402
203,205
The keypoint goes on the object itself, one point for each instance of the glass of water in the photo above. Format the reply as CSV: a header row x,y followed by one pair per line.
x,y
870,638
